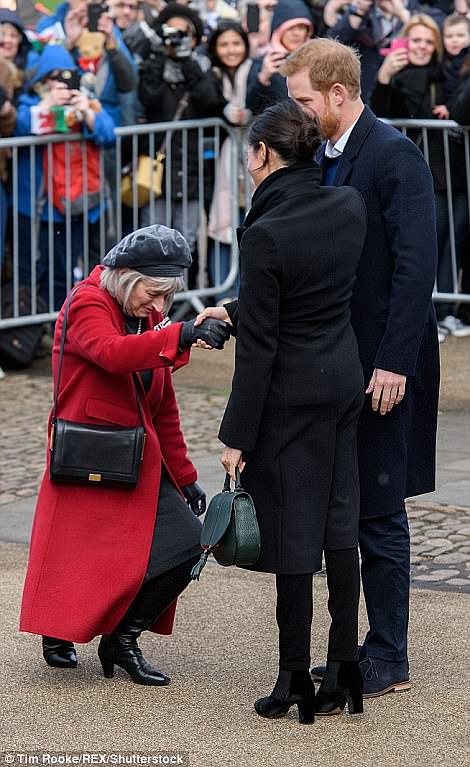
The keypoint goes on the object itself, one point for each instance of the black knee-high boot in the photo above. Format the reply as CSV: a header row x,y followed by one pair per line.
x,y
294,612
120,648
342,680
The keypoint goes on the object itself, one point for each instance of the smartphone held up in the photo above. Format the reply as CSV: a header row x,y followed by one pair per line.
x,y
398,44
252,18
95,11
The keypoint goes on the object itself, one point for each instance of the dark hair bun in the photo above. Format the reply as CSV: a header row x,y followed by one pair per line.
x,y
287,130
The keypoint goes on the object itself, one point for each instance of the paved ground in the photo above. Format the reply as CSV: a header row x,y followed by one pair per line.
x,y
223,653
221,657
440,522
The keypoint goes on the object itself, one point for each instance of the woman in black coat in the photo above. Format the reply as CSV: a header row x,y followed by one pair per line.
x,y
296,396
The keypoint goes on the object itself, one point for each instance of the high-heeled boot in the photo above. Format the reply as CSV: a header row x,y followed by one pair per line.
x,y
120,648
58,652
292,688
342,683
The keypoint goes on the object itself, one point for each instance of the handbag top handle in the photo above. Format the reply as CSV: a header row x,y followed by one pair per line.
x,y
61,357
238,482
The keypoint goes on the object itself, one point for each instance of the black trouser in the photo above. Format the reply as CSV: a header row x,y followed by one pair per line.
x,y
294,611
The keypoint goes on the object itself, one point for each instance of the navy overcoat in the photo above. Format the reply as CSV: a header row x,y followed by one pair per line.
x,y
392,312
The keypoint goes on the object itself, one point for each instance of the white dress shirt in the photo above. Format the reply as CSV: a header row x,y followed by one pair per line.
x,y
336,150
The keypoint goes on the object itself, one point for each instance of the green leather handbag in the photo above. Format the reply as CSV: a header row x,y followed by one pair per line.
x,y
230,531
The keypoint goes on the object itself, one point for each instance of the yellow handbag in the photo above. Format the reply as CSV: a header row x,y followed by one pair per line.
x,y
148,176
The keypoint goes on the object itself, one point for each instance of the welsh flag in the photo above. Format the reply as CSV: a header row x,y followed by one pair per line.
x,y
51,35
51,119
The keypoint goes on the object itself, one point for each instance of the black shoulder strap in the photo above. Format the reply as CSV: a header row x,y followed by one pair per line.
x,y
61,357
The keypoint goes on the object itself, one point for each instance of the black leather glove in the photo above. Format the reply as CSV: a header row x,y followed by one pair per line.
x,y
213,332
195,497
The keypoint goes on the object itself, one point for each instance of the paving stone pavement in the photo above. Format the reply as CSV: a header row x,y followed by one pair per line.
x,y
440,534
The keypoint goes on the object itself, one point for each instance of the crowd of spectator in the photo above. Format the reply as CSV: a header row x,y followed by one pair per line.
x,y
89,68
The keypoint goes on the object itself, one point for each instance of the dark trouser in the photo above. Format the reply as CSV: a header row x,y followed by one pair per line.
x,y
294,611
50,268
445,277
385,550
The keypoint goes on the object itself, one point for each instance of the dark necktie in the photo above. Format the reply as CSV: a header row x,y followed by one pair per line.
x,y
329,167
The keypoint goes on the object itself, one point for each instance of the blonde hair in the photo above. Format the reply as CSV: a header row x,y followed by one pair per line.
x,y
423,20
121,282
327,62
452,21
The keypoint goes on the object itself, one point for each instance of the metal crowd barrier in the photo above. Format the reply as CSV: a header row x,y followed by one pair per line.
x,y
38,243
451,134
193,150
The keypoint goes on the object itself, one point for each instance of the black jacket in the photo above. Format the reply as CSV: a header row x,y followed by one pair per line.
x,y
412,93
298,385
160,100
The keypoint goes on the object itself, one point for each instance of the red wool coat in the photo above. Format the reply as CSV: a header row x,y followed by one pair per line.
x,y
90,546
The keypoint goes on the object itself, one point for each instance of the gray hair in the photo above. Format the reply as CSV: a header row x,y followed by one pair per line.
x,y
121,282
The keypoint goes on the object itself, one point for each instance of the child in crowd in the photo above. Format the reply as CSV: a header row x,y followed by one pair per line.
x,y
456,39
65,198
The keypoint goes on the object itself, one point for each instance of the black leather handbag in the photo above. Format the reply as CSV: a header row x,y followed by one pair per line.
x,y
230,531
99,456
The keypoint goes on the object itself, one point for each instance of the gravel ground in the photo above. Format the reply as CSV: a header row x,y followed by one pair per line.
x,y
221,657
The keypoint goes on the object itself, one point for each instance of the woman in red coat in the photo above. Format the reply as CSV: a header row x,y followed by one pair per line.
x,y
104,560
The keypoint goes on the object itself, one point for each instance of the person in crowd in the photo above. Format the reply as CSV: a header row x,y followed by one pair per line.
x,y
113,561
112,75
7,128
291,27
462,7
135,20
229,50
216,12
459,110
297,391
102,53
369,26
395,325
175,81
125,13
59,182
409,79
14,46
455,71
411,85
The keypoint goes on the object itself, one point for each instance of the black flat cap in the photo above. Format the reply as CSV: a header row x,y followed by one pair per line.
x,y
155,251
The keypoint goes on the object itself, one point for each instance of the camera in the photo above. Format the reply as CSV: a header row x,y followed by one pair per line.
x,y
172,38
176,39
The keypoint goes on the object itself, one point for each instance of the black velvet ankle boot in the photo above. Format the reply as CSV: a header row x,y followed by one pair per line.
x,y
58,652
342,683
292,688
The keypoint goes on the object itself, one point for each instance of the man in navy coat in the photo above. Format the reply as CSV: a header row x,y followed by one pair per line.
x,y
394,320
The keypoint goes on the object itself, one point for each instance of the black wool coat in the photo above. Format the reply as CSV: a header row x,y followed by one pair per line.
x,y
298,386
392,312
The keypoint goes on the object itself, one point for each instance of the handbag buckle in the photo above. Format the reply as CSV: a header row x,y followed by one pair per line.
x,y
94,477
51,439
